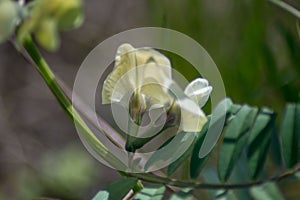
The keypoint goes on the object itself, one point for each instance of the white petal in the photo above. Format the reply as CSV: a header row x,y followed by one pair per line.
x,y
148,55
199,91
201,96
195,85
192,117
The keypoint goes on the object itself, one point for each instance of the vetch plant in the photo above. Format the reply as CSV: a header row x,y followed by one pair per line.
x,y
142,83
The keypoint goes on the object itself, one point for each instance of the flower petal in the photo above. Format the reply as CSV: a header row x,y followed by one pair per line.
x,y
192,117
138,65
199,91
196,84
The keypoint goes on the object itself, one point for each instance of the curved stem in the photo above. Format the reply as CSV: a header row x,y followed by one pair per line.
x,y
66,104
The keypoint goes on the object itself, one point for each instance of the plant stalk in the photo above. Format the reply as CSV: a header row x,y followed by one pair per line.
x,y
66,104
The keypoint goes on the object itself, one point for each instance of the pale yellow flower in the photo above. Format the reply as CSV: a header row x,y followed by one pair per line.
x,y
146,75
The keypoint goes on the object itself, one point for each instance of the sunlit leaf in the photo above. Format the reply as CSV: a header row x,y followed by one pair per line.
x,y
153,192
116,190
258,142
234,140
290,134
268,191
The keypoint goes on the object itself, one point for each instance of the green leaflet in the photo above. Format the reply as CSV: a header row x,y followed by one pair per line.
x,y
153,192
268,191
290,131
227,195
177,145
174,165
234,140
297,130
210,176
184,194
259,141
218,118
116,190
197,163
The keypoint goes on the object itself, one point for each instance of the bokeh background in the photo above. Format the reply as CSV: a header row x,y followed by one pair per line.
x,y
254,43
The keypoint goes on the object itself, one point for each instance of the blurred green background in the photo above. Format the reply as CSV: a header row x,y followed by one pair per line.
x,y
254,43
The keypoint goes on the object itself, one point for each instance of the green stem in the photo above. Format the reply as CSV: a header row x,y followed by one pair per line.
x,y
138,187
66,104
287,7
212,186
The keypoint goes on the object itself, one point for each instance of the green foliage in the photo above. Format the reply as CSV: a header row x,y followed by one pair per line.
x,y
260,135
290,134
179,145
183,158
184,194
153,192
235,138
196,163
268,191
244,149
116,190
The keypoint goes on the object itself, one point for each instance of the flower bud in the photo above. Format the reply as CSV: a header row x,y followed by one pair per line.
x,y
47,35
70,14
8,18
